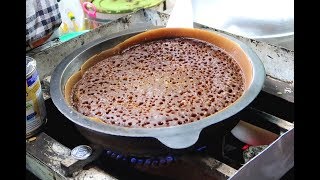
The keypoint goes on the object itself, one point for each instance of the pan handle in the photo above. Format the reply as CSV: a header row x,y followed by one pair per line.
x,y
180,141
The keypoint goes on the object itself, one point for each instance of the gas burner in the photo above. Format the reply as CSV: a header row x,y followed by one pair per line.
x,y
134,160
147,161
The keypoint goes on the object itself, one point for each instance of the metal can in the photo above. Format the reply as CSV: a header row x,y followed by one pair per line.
x,y
35,107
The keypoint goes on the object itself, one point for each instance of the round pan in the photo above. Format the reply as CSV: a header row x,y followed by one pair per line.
x,y
69,71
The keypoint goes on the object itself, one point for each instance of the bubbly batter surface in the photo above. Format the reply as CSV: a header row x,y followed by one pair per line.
x,y
160,83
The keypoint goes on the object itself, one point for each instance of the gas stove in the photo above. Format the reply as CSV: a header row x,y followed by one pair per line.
x,y
217,158
48,153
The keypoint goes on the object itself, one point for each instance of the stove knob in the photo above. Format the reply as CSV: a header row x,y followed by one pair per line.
x,y
147,162
81,152
133,160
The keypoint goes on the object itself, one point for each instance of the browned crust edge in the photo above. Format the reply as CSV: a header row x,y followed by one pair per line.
x,y
69,84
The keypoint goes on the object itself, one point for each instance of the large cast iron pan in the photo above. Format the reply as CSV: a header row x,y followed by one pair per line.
x,y
137,140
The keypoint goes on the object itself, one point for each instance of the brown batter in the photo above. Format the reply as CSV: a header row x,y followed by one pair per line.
x,y
160,83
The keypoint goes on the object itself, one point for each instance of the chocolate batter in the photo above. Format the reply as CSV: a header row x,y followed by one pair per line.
x,y
160,83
